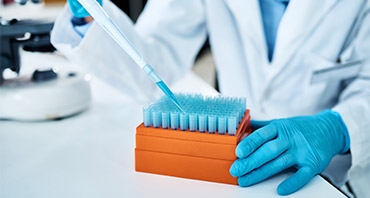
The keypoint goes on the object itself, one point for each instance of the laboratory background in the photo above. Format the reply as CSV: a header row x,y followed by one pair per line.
x,y
65,131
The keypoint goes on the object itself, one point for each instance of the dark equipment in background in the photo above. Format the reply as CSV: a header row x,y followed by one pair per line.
x,y
30,35
41,95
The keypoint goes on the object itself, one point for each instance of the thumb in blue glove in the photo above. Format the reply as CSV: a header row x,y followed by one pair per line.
x,y
307,142
78,10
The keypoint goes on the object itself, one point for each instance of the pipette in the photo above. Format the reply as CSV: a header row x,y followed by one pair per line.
x,y
103,19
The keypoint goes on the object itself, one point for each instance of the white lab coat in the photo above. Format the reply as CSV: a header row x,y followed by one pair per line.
x,y
312,35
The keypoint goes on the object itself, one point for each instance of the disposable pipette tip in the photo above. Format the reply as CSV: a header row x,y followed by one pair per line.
x,y
177,103
169,94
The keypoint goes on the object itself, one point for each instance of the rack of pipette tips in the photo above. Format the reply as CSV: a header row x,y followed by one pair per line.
x,y
198,143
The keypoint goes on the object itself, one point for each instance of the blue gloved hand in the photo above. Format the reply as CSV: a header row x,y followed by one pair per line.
x,y
78,10
307,142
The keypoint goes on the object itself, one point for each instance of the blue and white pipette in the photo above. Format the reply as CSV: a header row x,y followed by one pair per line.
x,y
102,18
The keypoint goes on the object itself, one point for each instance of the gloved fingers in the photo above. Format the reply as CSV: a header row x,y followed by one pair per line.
x,y
261,156
296,181
256,124
255,140
275,166
77,9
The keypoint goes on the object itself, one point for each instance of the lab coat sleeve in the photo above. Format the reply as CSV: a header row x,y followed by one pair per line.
x,y
354,107
168,34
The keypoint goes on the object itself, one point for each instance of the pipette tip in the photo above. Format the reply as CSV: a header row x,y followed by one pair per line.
x,y
169,94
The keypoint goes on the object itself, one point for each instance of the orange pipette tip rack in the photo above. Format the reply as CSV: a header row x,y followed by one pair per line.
x,y
186,154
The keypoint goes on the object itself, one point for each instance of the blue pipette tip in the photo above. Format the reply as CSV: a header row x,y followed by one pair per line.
x,y
169,94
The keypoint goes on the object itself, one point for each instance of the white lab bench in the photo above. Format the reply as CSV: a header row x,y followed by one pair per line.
x,y
92,154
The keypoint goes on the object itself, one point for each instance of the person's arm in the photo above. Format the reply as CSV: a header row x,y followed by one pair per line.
x,y
354,107
309,143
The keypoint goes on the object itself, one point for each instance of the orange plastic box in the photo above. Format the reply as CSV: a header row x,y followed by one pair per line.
x,y
193,155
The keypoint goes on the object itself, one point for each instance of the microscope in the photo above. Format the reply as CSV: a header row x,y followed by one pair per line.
x,y
44,94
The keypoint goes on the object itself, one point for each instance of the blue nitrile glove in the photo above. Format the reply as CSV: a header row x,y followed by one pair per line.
x,y
78,10
307,142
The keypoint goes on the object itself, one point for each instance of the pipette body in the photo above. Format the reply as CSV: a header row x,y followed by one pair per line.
x,y
102,18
